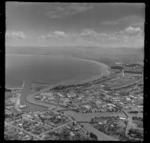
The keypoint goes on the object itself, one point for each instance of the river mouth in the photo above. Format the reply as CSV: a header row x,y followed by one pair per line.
x,y
49,69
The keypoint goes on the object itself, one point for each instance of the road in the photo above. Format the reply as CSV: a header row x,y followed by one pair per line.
x,y
56,128
76,116
28,97
37,105
101,136
23,130
129,124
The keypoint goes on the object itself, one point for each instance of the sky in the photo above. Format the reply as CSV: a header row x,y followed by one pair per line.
x,y
75,24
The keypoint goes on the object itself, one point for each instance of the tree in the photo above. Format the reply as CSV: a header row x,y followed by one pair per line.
x,y
124,93
82,126
93,136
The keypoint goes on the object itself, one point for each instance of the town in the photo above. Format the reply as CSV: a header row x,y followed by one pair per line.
x,y
113,94
119,95
75,71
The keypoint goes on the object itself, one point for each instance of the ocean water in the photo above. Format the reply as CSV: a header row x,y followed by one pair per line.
x,y
48,69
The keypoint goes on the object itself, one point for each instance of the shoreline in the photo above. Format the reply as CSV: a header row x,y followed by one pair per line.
x,y
77,116
104,71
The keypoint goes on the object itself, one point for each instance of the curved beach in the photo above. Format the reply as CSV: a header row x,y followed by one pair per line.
x,y
79,117
27,87
29,97
104,71
75,70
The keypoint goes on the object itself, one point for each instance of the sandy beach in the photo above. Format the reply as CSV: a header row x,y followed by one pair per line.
x,y
104,71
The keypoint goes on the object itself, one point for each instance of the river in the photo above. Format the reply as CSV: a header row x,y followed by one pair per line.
x,y
77,116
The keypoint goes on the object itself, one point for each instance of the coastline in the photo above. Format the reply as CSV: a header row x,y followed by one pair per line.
x,y
78,117
26,90
103,71
29,97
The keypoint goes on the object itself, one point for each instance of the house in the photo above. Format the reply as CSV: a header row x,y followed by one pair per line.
x,y
72,134
87,106
122,118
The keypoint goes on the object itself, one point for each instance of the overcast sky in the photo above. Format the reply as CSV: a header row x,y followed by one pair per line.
x,y
75,24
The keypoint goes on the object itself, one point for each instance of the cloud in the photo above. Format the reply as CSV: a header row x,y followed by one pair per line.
x,y
89,34
54,35
131,31
22,4
130,36
55,16
63,10
77,8
16,35
133,20
60,34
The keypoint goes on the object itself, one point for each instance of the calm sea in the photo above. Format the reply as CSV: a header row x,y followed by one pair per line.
x,y
48,69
